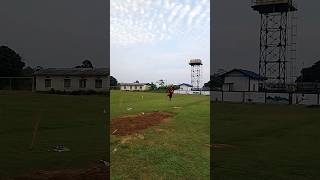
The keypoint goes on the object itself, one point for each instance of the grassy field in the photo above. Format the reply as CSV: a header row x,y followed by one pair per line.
x,y
179,151
257,141
266,142
78,122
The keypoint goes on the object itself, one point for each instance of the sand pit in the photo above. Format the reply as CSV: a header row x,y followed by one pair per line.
x,y
97,172
123,126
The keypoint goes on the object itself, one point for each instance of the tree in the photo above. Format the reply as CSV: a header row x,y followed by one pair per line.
x,y
38,68
152,86
310,74
10,62
113,81
85,64
161,83
216,82
28,71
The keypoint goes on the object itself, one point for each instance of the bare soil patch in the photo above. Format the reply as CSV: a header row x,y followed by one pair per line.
x,y
126,125
96,172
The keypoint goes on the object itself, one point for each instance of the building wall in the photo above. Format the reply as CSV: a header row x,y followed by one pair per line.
x,y
240,83
134,87
185,88
57,83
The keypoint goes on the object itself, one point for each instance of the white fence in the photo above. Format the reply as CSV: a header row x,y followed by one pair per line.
x,y
266,97
206,93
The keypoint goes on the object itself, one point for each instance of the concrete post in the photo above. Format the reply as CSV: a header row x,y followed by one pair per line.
x,y
243,97
222,96
265,97
10,80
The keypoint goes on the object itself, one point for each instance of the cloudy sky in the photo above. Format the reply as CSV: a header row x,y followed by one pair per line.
x,y
155,39
56,33
236,35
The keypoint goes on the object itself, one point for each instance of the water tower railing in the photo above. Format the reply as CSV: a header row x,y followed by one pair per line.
x,y
267,2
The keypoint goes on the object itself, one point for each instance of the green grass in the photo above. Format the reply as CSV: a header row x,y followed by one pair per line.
x,y
78,122
270,142
178,151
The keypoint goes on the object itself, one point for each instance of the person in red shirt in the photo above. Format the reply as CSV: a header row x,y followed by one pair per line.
x,y
170,92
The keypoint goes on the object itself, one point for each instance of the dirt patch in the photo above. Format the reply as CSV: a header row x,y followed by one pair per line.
x,y
123,126
96,172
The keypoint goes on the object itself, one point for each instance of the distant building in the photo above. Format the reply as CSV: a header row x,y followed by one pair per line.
x,y
134,86
185,87
242,80
72,79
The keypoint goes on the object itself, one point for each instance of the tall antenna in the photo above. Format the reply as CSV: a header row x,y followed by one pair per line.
x,y
274,40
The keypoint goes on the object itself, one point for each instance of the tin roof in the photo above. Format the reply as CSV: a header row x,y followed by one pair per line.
x,y
72,72
133,84
247,73
185,84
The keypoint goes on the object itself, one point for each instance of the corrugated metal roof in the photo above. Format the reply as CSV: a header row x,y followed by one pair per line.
x,y
247,73
73,72
133,84
186,85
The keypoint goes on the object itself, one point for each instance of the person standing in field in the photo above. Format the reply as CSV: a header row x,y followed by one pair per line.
x,y
170,92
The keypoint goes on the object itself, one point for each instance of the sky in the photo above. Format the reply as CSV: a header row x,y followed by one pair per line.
x,y
63,33
56,33
155,39
236,35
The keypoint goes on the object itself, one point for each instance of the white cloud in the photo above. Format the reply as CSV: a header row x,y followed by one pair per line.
x,y
148,21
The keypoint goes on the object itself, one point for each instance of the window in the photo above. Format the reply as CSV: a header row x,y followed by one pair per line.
x,y
67,83
47,83
231,87
130,87
98,83
82,83
135,87
254,87
141,87
124,87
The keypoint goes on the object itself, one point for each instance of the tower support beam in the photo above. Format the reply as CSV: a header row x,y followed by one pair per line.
x,y
274,26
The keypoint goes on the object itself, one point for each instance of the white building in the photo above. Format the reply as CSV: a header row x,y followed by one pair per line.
x,y
134,86
72,79
242,80
185,87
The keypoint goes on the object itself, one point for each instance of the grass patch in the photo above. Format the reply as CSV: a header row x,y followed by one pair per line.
x,y
270,142
78,122
175,149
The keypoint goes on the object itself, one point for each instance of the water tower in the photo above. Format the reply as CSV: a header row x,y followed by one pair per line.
x,y
195,73
275,39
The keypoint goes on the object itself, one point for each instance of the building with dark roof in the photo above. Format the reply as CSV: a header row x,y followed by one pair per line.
x,y
242,80
72,79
